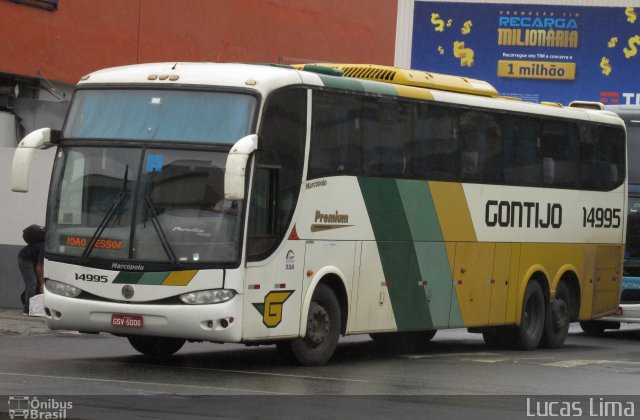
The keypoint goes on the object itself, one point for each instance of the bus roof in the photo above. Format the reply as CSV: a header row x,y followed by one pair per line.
x,y
382,80
248,76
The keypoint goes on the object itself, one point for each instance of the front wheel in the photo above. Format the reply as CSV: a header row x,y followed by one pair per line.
x,y
323,331
156,347
533,317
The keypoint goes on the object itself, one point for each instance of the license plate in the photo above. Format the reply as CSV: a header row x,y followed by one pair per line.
x,y
127,321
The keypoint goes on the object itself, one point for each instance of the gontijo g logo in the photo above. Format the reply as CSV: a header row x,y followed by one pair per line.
x,y
271,309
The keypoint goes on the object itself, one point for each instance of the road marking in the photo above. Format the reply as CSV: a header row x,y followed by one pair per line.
x,y
577,363
496,360
77,378
429,356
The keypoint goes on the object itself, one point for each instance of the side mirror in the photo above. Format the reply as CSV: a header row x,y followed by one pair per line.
x,y
236,167
38,139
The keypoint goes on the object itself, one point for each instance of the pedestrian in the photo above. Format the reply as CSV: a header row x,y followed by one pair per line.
x,y
30,263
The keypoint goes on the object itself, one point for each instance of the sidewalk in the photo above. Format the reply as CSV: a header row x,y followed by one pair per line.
x,y
12,322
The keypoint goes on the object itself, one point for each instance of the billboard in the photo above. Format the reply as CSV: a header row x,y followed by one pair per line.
x,y
535,52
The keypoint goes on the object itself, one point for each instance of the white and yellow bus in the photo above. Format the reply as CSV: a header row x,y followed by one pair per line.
x,y
269,204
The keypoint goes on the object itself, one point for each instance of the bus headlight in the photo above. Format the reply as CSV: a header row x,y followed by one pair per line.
x,y
62,289
204,297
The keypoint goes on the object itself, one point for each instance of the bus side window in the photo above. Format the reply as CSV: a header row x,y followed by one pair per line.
x,y
335,135
262,232
434,143
559,148
521,156
481,147
278,177
384,125
611,147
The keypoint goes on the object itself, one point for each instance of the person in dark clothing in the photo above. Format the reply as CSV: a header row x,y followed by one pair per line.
x,y
30,263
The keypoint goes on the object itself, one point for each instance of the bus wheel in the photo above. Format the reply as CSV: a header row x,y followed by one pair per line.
x,y
156,347
323,331
558,318
596,328
533,316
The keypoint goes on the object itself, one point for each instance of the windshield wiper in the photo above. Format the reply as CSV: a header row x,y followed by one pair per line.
x,y
117,202
148,204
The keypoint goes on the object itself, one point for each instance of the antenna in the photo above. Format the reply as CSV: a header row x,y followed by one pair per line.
x,y
174,66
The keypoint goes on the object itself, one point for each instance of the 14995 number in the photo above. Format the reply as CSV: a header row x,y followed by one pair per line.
x,y
598,217
92,277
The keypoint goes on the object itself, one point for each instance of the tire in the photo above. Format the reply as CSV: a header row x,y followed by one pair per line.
x,y
596,328
532,320
323,331
156,347
558,318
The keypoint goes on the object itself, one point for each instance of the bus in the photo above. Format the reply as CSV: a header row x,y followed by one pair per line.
x,y
293,205
629,310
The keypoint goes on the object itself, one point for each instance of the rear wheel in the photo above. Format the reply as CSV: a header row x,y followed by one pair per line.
x,y
156,347
532,320
558,318
323,331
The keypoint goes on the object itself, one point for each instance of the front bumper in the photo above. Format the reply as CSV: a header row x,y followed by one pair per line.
x,y
217,322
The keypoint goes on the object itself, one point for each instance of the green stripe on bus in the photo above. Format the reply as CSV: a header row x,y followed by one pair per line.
x,y
430,250
153,278
397,253
420,211
128,277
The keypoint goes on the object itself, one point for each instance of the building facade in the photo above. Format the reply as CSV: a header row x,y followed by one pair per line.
x,y
48,45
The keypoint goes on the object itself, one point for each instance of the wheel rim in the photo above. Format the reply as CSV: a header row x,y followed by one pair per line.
x,y
318,325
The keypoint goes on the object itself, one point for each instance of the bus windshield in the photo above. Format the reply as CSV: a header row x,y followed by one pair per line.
x,y
164,115
142,205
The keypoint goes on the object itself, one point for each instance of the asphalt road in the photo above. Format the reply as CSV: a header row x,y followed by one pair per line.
x,y
454,376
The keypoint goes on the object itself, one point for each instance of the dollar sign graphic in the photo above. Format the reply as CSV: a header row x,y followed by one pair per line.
x,y
439,23
632,50
612,42
464,54
440,49
466,28
631,15
605,66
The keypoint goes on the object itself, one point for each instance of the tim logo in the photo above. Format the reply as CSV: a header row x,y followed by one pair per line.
x,y
271,309
620,98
